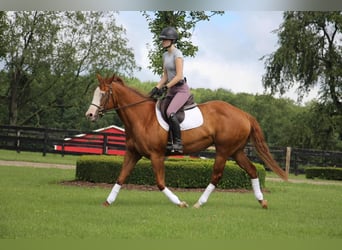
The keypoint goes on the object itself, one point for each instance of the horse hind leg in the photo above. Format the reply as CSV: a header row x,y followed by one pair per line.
x,y
243,161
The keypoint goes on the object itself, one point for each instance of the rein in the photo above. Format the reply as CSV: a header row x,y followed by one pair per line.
x,y
127,106
102,110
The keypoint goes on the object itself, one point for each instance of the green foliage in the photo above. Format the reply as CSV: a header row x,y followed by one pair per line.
x,y
3,27
310,54
50,63
187,173
328,173
322,129
184,22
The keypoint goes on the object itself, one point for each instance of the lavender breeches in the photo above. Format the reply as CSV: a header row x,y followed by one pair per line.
x,y
180,95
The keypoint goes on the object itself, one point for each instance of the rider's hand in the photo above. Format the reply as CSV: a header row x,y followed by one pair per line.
x,y
163,90
154,92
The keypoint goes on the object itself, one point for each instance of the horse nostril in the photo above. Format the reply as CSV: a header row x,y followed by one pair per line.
x,y
90,115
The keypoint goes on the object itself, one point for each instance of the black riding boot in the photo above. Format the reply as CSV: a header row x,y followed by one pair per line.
x,y
176,134
169,146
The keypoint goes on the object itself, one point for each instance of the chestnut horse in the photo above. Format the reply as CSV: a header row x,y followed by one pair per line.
x,y
224,126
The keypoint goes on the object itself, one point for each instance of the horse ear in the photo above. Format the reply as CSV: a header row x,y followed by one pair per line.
x,y
112,78
118,80
99,77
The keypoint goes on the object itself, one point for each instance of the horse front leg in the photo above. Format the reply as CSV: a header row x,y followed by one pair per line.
x,y
215,178
130,159
159,171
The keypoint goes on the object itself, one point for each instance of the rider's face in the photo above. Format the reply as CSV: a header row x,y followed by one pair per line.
x,y
166,43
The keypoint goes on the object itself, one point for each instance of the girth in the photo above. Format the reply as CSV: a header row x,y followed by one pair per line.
x,y
164,103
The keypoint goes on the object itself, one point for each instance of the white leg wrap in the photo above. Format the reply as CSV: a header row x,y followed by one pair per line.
x,y
256,188
172,197
112,196
204,197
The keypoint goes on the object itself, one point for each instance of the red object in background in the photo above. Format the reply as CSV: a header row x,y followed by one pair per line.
x,y
93,143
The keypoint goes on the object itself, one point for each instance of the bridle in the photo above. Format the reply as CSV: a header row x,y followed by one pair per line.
x,y
101,108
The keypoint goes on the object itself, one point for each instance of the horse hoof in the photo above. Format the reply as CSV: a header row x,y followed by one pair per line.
x,y
197,205
263,204
105,204
183,204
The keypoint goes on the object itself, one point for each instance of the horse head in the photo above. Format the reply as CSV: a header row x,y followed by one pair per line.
x,y
102,99
105,98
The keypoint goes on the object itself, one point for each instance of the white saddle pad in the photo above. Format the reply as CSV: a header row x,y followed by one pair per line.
x,y
193,118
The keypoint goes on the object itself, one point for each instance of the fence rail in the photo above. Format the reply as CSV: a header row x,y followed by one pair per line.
x,y
45,139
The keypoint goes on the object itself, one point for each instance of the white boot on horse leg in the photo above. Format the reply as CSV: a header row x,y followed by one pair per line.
x,y
112,196
174,198
257,192
204,197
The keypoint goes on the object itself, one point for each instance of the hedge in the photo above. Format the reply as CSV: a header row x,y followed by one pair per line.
x,y
328,173
182,173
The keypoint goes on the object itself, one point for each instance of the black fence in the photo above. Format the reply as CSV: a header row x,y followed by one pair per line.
x,y
300,158
45,139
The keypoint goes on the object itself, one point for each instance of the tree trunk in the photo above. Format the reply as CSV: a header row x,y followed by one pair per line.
x,y
13,99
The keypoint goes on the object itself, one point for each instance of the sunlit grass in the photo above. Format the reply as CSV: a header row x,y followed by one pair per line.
x,y
35,205
10,155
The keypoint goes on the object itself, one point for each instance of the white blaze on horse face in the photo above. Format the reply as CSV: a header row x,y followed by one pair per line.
x,y
93,109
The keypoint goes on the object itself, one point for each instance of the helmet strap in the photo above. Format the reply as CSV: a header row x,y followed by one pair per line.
x,y
172,42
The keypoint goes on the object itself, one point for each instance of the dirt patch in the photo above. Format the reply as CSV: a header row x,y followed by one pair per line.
x,y
308,181
35,164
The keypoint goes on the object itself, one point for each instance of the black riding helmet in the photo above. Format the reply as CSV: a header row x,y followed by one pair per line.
x,y
169,33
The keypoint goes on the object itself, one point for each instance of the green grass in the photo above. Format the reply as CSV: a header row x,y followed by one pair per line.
x,y
10,155
34,205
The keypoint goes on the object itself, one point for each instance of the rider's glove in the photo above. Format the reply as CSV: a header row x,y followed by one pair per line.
x,y
163,90
154,92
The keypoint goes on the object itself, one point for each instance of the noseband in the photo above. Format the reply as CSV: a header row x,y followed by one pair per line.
x,y
100,110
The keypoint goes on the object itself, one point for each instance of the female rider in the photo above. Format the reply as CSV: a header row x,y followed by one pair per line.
x,y
174,83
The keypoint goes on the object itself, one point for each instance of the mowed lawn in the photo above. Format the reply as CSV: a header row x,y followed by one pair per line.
x,y
35,205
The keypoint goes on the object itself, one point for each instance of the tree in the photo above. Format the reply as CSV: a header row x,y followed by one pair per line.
x,y
310,54
313,127
3,27
47,58
184,22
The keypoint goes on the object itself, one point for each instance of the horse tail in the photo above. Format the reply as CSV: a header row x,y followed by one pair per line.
x,y
261,147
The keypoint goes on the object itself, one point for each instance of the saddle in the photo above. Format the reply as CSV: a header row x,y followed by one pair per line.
x,y
164,103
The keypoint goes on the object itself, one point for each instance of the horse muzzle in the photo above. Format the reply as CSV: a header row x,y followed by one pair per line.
x,y
93,113
92,117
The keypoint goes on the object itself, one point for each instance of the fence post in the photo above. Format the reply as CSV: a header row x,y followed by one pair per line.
x,y
18,141
288,161
45,142
105,141
295,152
63,147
